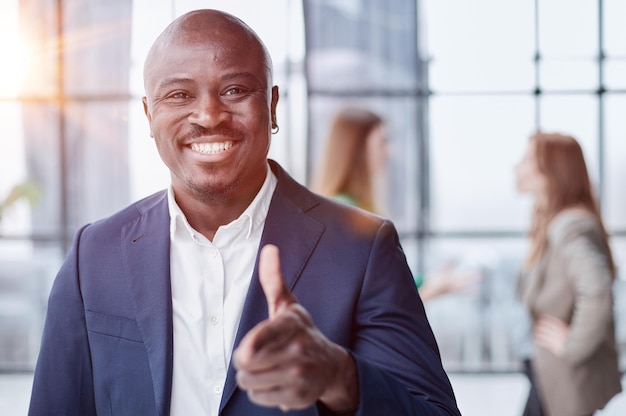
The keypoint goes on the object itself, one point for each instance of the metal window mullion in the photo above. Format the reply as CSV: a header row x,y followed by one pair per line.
x,y
601,113
537,92
62,102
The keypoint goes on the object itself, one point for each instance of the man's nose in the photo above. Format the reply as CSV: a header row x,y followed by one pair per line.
x,y
209,111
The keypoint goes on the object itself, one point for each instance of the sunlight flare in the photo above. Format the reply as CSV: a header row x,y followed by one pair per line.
x,y
15,61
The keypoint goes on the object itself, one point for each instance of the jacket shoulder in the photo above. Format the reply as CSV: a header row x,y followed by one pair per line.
x,y
330,212
571,225
115,222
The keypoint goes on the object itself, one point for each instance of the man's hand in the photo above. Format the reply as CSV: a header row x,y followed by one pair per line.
x,y
286,361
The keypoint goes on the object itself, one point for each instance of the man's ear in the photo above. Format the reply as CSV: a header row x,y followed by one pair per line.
x,y
273,104
146,111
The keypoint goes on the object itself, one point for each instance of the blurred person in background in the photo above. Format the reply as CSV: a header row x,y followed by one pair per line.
x,y
354,170
354,165
566,284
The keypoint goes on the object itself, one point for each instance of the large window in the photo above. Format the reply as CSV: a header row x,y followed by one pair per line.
x,y
461,84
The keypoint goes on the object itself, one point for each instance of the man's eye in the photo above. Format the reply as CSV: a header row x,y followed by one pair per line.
x,y
233,91
179,95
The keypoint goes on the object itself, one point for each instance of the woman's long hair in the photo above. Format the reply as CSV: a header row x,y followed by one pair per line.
x,y
344,168
560,159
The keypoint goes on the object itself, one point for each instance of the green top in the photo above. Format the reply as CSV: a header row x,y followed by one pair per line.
x,y
346,199
418,279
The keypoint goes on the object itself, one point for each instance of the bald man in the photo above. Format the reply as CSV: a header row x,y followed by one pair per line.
x,y
236,291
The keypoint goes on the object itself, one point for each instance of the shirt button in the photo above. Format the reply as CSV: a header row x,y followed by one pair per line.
x,y
215,320
213,252
217,389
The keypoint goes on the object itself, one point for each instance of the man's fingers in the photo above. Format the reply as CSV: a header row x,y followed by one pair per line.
x,y
271,278
260,348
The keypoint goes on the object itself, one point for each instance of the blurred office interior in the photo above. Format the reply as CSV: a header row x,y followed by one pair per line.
x,y
461,85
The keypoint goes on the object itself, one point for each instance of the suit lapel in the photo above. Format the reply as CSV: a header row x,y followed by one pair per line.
x,y
296,234
146,244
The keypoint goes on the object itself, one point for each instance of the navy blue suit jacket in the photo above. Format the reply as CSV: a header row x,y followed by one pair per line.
x,y
107,344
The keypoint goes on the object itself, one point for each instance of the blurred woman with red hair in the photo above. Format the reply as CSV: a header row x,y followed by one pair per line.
x,y
567,283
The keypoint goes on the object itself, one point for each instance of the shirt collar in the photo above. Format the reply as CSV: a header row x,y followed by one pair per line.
x,y
253,216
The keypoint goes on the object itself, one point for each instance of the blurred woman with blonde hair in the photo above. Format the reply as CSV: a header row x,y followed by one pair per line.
x,y
567,282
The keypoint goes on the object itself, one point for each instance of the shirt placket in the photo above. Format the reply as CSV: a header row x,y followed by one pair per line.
x,y
214,322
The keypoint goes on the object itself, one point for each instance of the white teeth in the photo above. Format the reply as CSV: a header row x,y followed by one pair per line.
x,y
210,148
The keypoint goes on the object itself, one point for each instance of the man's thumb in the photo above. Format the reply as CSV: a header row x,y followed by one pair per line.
x,y
271,279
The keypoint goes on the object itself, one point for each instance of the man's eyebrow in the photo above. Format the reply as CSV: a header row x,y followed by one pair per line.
x,y
167,82
242,74
185,80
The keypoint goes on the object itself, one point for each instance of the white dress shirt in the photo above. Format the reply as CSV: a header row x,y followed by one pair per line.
x,y
210,281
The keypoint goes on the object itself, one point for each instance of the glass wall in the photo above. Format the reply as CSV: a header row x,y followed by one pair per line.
x,y
461,85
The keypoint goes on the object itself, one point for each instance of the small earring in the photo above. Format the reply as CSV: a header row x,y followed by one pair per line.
x,y
275,128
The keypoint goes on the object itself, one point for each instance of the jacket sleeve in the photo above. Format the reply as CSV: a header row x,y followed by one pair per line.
x,y
585,255
398,361
63,377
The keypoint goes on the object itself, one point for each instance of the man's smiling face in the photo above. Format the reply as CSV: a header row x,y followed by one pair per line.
x,y
209,105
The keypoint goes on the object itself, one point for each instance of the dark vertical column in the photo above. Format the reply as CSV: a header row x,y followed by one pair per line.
x,y
601,95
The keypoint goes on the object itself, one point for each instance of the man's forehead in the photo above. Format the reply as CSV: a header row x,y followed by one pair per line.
x,y
207,35
219,43
209,52
207,25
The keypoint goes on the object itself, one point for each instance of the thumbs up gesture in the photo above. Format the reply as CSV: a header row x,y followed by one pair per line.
x,y
285,361
271,277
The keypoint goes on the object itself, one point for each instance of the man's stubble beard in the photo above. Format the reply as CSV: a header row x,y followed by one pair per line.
x,y
212,192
